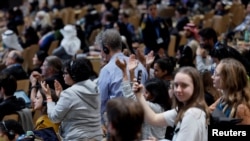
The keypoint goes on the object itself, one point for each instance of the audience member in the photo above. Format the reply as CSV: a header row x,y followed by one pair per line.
x,y
155,95
14,18
40,105
126,29
69,45
81,35
125,118
47,37
191,33
51,71
10,40
222,51
235,99
42,20
107,20
211,93
78,108
155,32
208,41
110,77
190,115
164,68
13,65
10,130
10,103
38,60
30,37
246,22
181,17
219,8
57,25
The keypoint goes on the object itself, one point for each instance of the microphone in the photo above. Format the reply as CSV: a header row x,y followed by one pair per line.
x,y
40,123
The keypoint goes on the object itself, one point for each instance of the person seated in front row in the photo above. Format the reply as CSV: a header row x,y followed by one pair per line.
x,y
10,130
125,119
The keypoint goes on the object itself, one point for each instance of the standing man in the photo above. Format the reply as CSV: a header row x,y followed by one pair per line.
x,y
110,77
155,32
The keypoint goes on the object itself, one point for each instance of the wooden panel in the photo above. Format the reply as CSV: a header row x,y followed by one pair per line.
x,y
23,85
171,46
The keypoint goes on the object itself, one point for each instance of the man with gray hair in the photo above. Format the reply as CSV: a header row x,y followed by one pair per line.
x,y
110,77
51,71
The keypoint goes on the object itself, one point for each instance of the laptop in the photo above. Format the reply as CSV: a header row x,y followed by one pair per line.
x,y
24,96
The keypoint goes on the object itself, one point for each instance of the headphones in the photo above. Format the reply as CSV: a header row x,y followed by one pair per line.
x,y
10,133
72,74
105,49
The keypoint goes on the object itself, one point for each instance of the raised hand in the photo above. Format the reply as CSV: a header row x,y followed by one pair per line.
x,y
46,89
35,77
141,56
150,58
121,64
58,88
137,88
132,62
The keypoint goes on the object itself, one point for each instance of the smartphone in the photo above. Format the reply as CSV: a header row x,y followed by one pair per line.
x,y
139,75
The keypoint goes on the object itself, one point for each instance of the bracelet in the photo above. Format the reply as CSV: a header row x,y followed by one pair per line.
x,y
33,87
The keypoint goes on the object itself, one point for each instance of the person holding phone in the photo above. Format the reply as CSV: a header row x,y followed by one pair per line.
x,y
190,115
156,95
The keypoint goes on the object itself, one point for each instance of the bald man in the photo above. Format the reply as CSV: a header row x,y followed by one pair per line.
x,y
13,64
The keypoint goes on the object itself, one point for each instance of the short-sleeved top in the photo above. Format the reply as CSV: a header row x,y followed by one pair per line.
x,y
193,126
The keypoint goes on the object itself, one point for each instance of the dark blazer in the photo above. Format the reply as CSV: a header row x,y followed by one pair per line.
x,y
149,33
181,23
17,71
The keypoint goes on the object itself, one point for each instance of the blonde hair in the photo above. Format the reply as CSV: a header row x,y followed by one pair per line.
x,y
235,83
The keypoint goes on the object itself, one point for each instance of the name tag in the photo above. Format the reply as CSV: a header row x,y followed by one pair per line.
x,y
159,40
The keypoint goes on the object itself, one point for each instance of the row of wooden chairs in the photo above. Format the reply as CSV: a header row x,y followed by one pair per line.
x,y
29,52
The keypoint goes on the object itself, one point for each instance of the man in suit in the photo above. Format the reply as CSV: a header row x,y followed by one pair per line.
x,y
155,32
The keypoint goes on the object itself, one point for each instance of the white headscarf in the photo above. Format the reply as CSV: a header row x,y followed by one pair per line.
x,y
42,18
70,42
10,40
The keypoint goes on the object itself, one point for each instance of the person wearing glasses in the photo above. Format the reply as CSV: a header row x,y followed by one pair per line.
x,y
78,107
51,70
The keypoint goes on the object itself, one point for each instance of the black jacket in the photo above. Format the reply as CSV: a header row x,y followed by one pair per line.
x,y
149,33
10,106
17,71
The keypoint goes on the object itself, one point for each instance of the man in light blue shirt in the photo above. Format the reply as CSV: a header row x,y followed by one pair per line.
x,y
110,77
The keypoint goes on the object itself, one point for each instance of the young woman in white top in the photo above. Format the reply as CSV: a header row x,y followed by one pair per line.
x,y
190,116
